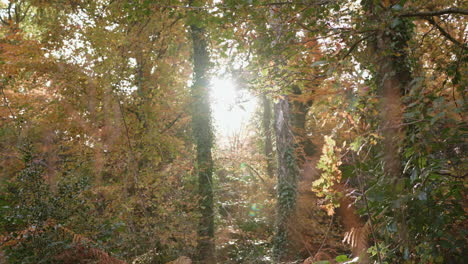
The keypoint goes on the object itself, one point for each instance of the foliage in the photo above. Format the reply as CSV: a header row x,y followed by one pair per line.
x,y
29,207
98,158
329,162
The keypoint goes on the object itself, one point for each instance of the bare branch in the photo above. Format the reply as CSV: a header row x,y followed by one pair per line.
x,y
446,34
25,13
457,11
355,44
10,5
284,3
4,22
171,124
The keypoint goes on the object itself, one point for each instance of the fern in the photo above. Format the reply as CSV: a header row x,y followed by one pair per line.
x,y
357,236
82,247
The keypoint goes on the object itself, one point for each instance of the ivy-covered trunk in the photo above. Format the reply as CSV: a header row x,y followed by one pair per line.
x,y
202,130
393,77
287,179
268,148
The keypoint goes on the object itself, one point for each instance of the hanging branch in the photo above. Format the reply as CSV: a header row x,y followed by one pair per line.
x,y
325,237
427,15
446,34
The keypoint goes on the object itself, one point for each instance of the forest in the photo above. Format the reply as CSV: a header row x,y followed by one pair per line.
x,y
233,131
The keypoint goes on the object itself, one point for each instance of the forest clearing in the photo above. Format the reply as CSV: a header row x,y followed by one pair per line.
x,y
233,131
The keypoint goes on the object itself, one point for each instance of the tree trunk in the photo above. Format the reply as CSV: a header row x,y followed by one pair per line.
x,y
287,179
299,120
266,122
393,77
202,130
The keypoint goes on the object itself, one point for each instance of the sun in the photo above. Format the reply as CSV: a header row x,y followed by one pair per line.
x,y
232,107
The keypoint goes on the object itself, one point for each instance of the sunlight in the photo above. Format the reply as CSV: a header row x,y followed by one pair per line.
x,y
232,108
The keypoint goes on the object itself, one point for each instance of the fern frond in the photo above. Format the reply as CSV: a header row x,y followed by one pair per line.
x,y
357,236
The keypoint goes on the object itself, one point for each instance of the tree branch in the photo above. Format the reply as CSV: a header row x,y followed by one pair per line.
x,y
4,22
6,102
284,3
354,45
446,34
458,11
171,124
256,172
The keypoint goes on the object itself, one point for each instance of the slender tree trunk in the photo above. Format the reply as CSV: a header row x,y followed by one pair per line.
x,y
287,171
202,130
142,75
287,179
144,112
266,123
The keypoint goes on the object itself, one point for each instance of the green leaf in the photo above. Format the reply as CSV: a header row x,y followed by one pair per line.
x,y
322,262
342,258
356,144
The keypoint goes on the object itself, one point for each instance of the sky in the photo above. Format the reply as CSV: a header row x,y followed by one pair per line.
x,y
232,108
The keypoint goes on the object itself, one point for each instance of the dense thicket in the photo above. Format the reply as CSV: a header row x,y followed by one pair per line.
x,y
107,150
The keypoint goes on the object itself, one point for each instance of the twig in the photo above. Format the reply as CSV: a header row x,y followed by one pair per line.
x,y
371,224
425,35
326,236
130,147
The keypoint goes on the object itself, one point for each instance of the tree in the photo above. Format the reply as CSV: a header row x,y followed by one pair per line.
x,y
203,134
393,76
287,179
